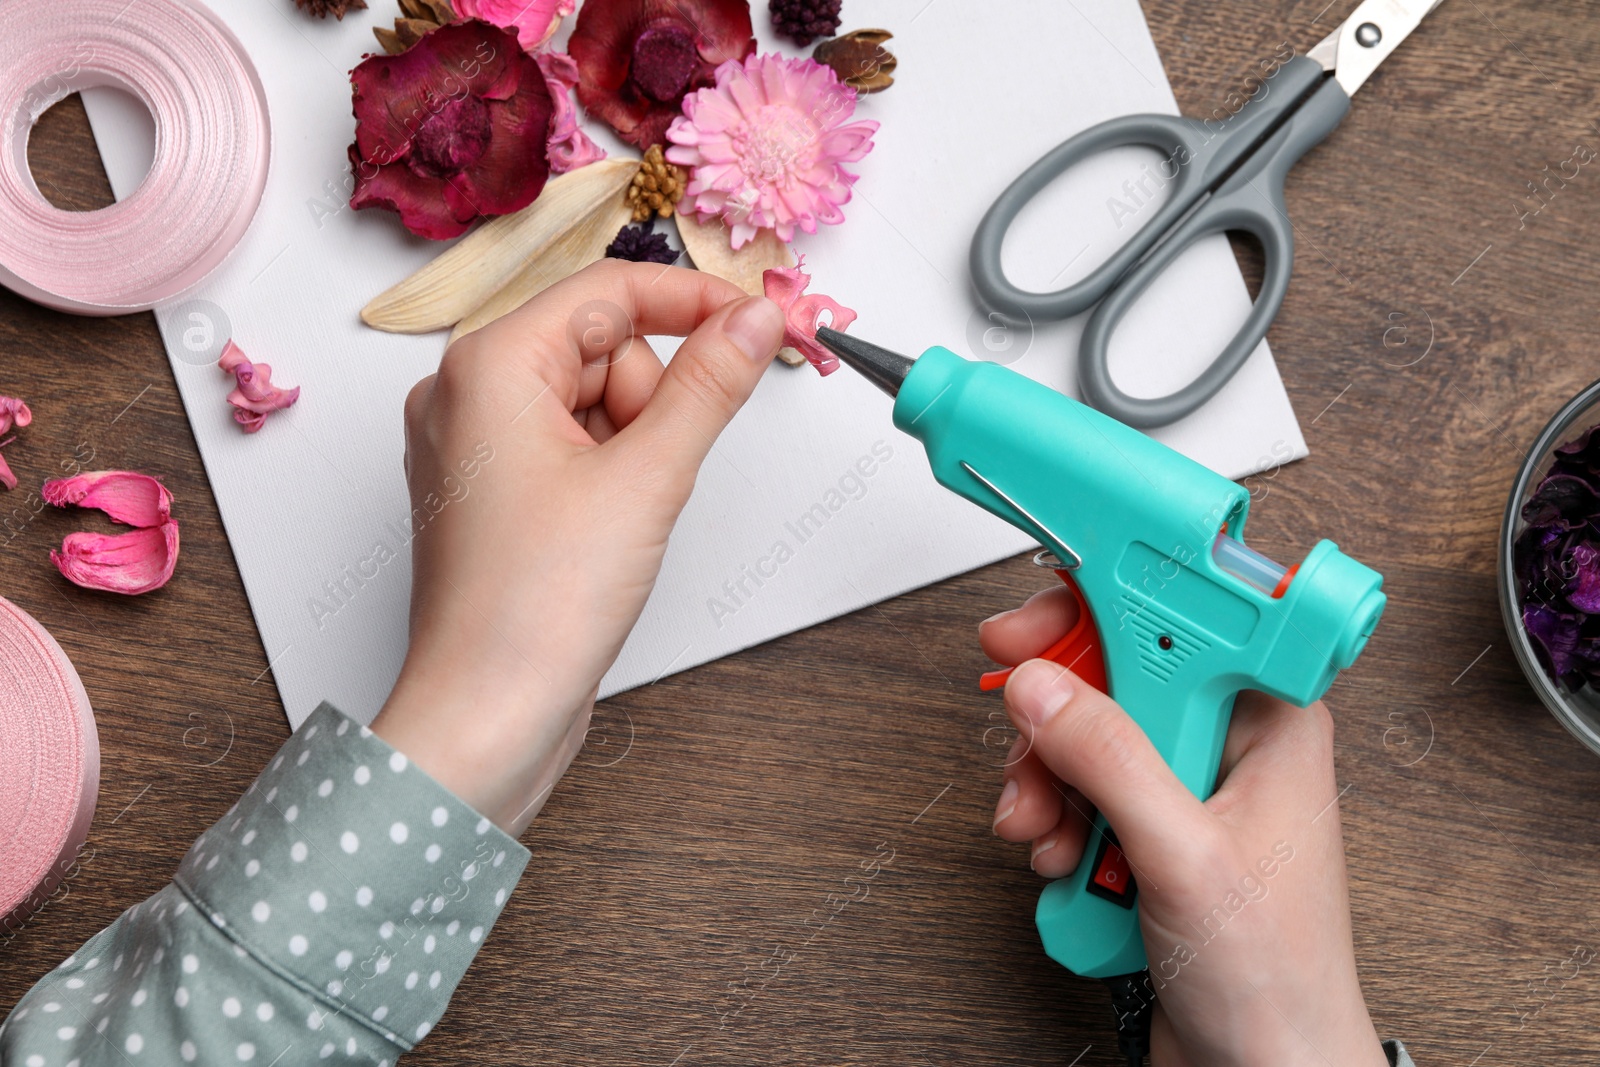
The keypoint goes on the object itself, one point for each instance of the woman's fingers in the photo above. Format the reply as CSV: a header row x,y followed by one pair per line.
x,y
545,344
1021,633
1082,736
1029,802
710,377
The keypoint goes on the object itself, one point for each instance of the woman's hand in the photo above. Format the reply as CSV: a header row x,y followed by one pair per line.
x,y
547,461
1242,898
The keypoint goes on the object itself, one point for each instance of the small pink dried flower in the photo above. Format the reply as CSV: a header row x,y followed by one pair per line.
x,y
786,287
254,396
129,563
13,413
767,146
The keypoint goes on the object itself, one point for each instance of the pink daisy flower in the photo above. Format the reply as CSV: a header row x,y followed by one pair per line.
x,y
766,146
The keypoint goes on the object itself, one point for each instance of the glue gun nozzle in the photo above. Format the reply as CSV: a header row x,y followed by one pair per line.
x,y
883,368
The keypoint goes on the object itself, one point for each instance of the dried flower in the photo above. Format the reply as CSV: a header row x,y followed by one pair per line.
x,y
860,60
767,146
254,396
637,58
785,287
323,8
640,244
129,563
13,413
569,147
803,21
1556,563
657,188
452,129
535,21
417,18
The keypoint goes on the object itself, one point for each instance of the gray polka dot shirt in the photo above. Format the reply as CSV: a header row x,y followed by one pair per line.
x,y
327,917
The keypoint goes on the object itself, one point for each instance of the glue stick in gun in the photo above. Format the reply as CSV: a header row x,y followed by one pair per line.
x,y
1176,615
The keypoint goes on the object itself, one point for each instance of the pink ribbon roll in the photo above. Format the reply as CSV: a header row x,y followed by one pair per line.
x,y
213,143
49,765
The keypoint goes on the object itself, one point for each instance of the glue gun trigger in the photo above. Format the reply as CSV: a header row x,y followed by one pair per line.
x,y
1078,650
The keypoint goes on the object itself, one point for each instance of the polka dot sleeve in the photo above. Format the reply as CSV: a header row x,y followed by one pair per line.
x,y
327,917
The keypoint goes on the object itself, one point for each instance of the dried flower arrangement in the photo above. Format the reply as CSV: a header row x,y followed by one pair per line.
x,y
469,116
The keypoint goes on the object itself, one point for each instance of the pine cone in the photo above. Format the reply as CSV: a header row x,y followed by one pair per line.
x,y
803,21
859,59
323,8
418,17
640,244
657,188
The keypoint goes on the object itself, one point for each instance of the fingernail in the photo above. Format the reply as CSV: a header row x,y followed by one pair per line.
x,y
1008,802
1043,845
1040,689
996,617
755,327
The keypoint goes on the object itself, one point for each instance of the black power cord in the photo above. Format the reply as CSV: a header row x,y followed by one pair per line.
x,y
1133,999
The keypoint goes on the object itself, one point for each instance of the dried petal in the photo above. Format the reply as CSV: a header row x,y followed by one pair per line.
x,y
860,60
254,397
569,147
127,496
129,563
786,287
7,479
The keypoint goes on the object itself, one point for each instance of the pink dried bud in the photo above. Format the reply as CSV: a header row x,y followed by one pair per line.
x,y
254,396
786,287
13,412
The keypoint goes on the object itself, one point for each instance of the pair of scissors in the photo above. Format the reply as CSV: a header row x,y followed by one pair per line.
x,y
1226,175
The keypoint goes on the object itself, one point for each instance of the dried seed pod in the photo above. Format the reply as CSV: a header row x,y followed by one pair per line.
x,y
859,59
417,18
657,188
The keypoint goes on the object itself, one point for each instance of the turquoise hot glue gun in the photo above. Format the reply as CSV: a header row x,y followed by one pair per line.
x,y
1177,614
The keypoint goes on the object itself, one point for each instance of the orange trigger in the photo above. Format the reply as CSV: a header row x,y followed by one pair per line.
x,y
1078,651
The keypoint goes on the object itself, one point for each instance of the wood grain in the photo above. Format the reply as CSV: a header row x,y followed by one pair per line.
x,y
727,803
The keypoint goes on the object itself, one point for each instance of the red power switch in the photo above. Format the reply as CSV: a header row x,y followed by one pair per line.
x,y
1112,879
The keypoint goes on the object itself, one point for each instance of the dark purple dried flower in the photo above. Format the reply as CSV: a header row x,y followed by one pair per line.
x,y
1556,563
640,244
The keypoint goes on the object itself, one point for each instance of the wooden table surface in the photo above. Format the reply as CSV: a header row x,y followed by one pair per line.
x,y
714,811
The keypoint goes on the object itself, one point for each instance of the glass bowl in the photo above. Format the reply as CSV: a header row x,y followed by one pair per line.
x,y
1578,711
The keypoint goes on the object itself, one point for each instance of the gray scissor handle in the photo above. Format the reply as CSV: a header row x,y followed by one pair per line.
x,y
1250,200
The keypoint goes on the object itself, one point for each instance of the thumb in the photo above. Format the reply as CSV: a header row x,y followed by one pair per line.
x,y
713,373
1090,742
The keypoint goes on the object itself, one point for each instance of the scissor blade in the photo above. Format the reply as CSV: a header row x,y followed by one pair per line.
x,y
1365,39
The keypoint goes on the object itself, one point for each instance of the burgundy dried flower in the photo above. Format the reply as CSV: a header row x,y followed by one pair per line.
x,y
637,58
453,129
640,244
803,21
1556,563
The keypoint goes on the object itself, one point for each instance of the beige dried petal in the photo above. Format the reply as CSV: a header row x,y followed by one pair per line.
x,y
580,246
463,278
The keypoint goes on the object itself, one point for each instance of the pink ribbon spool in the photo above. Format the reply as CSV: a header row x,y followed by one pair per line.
x,y
213,144
49,765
